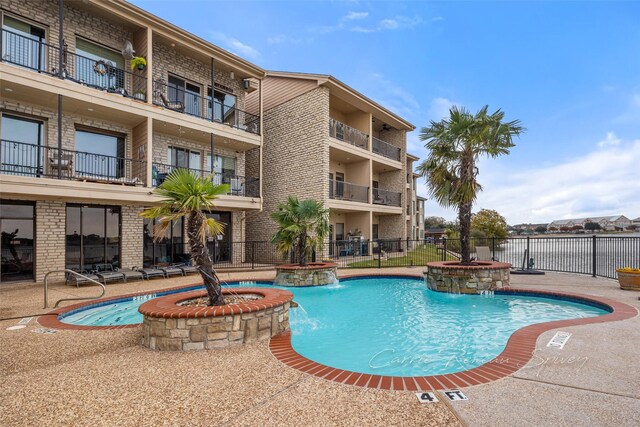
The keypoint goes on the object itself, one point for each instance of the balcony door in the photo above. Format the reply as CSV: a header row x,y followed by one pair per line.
x,y
98,66
224,107
220,247
17,220
98,155
182,158
170,249
22,44
224,168
92,237
182,91
21,142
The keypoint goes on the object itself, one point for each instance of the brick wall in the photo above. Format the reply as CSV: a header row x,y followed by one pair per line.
x,y
295,156
50,237
131,246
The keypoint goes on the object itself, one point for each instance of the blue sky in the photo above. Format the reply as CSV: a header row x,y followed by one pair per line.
x,y
570,71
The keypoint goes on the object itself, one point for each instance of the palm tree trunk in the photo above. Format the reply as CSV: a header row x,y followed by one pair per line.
x,y
202,259
464,216
302,253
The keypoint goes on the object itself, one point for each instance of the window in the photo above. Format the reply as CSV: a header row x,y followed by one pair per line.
x,y
374,231
168,250
224,107
220,247
93,237
98,66
182,91
99,155
339,231
21,145
184,158
22,44
17,243
225,171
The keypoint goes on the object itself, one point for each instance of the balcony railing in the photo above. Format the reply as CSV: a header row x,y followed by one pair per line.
x,y
346,133
385,197
341,190
385,149
39,56
19,158
239,185
187,102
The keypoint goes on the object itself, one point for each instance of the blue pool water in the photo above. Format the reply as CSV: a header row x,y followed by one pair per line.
x,y
392,325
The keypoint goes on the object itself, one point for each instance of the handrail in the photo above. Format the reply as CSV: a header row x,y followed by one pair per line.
x,y
66,270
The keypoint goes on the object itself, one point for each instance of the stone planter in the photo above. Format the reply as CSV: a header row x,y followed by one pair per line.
x,y
451,277
169,326
629,281
313,274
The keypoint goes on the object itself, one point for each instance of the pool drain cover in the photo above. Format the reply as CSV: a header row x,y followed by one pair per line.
x,y
45,331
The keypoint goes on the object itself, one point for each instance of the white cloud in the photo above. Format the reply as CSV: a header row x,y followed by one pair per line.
x,y
393,97
439,108
601,182
235,46
283,39
610,141
390,24
352,16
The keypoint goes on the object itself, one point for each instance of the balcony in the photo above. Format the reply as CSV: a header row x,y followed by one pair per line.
x,y
385,149
387,198
193,104
342,132
239,185
19,158
41,57
340,190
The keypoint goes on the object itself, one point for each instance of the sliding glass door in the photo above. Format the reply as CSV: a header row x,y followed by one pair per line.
x,y
21,142
99,155
93,237
17,243
167,250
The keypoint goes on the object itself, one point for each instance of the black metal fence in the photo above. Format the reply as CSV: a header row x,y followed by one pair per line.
x,y
342,190
19,158
238,185
385,149
593,255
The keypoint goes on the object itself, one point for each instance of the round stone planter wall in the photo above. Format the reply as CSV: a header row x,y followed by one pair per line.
x,y
169,326
313,274
450,276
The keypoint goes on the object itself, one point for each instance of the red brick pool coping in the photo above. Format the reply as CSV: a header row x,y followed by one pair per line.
x,y
477,265
309,266
166,306
517,353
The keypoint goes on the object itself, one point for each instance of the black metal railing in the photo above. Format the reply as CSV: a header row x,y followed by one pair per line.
x,y
239,185
18,158
29,52
37,55
346,133
194,104
341,190
385,197
385,149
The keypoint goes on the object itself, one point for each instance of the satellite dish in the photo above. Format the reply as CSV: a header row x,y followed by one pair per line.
x,y
127,50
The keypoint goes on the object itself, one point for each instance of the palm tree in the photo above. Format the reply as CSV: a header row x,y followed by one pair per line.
x,y
185,194
302,226
455,145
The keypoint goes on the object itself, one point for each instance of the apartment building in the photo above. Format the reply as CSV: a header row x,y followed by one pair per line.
x,y
86,136
325,141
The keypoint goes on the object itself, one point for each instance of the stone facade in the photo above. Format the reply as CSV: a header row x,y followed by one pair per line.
x,y
451,277
50,237
295,157
224,326
314,274
132,245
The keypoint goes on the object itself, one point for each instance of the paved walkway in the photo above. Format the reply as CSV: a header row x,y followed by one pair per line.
x,y
106,378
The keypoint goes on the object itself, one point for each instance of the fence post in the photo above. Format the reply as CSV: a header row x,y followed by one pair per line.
x,y
528,253
493,248
593,256
379,255
253,255
444,249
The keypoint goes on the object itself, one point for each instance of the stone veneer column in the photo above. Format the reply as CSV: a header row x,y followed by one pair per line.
x,y
50,237
131,247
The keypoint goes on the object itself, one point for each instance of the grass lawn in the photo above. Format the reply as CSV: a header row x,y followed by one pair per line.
x,y
418,256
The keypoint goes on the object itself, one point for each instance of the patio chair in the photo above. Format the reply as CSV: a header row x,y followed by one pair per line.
x,y
150,272
171,270
237,187
130,273
78,280
172,105
66,164
483,253
107,273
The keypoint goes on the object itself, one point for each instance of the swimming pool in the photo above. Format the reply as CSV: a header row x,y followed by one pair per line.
x,y
391,326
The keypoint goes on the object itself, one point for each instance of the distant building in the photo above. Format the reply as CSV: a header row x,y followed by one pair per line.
x,y
608,223
522,228
434,234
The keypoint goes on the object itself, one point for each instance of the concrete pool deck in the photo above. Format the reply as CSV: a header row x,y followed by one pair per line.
x,y
106,377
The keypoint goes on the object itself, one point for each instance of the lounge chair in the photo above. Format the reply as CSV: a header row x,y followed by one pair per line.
x,y
150,272
172,105
130,273
188,269
483,253
171,270
107,273
88,276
